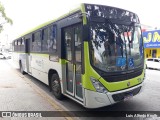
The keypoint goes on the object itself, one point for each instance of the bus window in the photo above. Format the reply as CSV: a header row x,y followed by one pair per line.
x,y
44,40
36,42
22,48
78,39
68,39
52,42
15,45
19,45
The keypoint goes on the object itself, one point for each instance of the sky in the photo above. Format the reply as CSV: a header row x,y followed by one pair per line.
x,y
27,14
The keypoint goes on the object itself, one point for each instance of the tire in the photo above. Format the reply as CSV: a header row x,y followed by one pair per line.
x,y
56,87
21,68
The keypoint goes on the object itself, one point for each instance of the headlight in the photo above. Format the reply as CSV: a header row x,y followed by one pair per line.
x,y
98,86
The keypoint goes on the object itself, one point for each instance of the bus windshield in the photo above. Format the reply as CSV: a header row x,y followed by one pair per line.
x,y
114,45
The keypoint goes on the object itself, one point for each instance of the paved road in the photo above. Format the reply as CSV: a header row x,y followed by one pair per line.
x,y
17,93
148,100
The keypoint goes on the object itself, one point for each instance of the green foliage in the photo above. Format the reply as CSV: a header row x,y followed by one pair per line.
x,y
4,18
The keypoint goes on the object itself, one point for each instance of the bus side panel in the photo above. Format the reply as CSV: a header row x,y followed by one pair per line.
x,y
40,66
22,58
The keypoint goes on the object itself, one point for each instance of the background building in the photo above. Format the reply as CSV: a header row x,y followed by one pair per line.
x,y
152,43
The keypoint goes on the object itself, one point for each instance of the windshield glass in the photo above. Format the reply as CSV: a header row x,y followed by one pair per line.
x,y
115,47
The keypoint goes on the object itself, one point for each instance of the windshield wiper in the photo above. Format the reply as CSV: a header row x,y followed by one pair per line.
x,y
125,28
117,32
130,29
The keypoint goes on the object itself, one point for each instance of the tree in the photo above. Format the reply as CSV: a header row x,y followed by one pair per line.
x,y
4,19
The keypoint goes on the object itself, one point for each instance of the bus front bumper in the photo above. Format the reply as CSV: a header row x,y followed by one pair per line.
x,y
95,99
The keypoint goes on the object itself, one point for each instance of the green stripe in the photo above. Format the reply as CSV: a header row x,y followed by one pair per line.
x,y
84,16
62,61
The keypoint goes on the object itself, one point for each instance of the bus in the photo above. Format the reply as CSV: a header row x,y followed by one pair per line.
x,y
93,55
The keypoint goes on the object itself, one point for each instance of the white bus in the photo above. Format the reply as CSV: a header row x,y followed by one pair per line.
x,y
93,55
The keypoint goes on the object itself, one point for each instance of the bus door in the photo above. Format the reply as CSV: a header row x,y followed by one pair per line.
x,y
28,56
73,39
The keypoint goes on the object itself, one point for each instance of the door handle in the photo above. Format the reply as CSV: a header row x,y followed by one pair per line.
x,y
71,61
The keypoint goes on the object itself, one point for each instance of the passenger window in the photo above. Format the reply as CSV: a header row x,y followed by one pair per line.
x,y
45,35
15,45
19,42
22,40
19,45
22,48
52,42
78,38
68,39
36,42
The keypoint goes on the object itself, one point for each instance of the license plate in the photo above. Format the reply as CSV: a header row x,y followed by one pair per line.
x,y
127,97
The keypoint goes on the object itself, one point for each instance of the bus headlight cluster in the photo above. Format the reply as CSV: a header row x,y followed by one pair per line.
x,y
98,86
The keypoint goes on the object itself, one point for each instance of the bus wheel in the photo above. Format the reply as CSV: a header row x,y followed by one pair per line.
x,y
56,87
21,68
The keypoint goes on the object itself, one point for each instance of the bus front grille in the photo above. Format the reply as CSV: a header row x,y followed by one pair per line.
x,y
121,77
121,96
